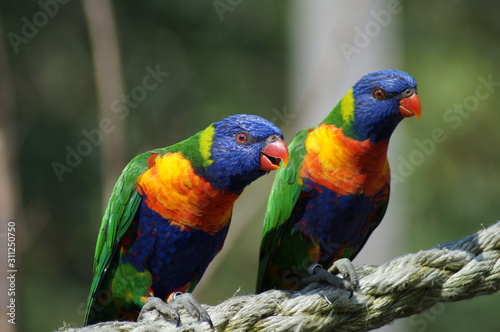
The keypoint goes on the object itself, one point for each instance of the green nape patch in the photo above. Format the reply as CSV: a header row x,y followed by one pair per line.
x,y
197,148
342,114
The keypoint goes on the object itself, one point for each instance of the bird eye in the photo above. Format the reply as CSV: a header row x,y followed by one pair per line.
x,y
379,94
241,137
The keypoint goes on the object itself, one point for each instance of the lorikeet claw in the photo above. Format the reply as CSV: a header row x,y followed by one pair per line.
x,y
350,282
158,305
179,300
192,306
345,267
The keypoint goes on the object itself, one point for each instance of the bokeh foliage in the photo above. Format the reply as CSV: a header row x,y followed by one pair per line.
x,y
448,47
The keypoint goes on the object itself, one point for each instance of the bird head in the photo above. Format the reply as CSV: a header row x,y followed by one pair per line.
x,y
243,148
377,103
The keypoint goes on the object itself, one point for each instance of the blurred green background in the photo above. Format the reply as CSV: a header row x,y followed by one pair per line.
x,y
224,57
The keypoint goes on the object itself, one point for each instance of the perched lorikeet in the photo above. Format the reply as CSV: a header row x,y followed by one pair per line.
x,y
334,192
170,210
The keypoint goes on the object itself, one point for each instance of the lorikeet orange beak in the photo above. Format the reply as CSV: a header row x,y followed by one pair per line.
x,y
410,106
273,154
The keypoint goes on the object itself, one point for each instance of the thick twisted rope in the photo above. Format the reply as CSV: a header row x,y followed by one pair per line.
x,y
405,286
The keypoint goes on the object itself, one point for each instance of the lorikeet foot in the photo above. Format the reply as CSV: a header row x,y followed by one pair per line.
x,y
344,266
155,304
192,306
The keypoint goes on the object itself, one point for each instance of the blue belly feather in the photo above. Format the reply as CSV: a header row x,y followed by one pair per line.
x,y
173,256
340,224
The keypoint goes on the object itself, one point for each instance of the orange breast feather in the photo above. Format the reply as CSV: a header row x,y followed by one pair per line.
x,y
345,165
172,189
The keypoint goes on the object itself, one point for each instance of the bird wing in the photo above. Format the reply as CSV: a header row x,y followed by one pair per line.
x,y
122,207
284,194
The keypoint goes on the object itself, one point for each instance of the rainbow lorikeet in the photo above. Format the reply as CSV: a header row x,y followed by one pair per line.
x,y
169,214
334,192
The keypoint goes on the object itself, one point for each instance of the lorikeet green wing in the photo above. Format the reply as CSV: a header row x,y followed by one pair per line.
x,y
286,190
335,190
122,207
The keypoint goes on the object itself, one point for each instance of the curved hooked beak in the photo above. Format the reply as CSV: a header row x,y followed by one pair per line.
x,y
410,106
272,155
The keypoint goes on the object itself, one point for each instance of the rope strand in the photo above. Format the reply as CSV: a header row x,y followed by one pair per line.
x,y
402,287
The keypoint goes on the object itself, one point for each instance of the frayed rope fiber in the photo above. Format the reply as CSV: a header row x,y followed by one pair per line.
x,y
402,287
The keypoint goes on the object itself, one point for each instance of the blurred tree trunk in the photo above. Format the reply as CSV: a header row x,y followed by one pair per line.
x,y
323,68
9,180
109,85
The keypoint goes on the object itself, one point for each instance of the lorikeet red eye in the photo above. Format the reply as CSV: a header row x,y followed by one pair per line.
x,y
241,138
379,94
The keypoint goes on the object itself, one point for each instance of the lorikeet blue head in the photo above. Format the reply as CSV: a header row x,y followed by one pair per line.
x,y
377,103
243,148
